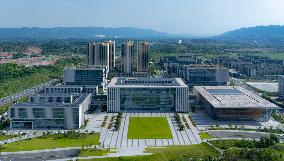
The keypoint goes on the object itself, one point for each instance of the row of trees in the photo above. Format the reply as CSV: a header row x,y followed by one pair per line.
x,y
118,121
263,142
235,150
178,120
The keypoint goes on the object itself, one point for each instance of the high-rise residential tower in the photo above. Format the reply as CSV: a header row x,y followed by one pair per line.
x,y
111,55
127,57
281,87
142,56
102,54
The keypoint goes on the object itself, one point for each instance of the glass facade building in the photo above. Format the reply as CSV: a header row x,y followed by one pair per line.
x,y
208,75
93,75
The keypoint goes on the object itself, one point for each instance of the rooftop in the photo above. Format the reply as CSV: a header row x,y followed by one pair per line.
x,y
72,86
146,82
78,100
204,66
92,67
233,97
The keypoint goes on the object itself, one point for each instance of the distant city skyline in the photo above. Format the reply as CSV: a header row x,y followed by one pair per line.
x,y
194,17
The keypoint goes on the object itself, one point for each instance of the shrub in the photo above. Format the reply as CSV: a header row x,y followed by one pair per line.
x,y
187,126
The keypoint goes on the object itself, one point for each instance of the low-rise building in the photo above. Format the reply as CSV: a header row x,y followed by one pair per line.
x,y
50,111
147,94
98,100
72,89
233,103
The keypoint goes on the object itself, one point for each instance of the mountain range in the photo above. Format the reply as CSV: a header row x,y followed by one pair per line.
x,y
259,33
78,33
274,33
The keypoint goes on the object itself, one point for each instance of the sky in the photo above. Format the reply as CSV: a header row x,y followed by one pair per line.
x,y
194,17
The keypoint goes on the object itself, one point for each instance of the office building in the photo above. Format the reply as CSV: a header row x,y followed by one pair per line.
x,y
50,111
281,88
200,74
143,56
147,94
233,103
102,54
127,57
91,75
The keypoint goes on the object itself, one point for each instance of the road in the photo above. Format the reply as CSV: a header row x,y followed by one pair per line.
x,y
240,82
26,92
30,158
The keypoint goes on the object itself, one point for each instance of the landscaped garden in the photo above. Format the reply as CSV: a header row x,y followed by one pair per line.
x,y
205,135
51,141
149,128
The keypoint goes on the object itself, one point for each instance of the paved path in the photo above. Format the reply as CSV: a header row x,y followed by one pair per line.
x,y
118,139
95,122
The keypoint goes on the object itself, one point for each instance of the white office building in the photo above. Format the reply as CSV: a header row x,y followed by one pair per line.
x,y
50,111
147,94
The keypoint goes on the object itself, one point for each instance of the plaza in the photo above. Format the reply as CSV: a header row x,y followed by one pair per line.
x,y
119,139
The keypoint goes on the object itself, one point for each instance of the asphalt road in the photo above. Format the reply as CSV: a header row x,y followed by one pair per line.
x,y
26,92
41,155
32,158
237,134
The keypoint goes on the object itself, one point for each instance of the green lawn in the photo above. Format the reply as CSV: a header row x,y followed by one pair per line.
x,y
173,153
51,142
205,135
5,137
93,152
149,128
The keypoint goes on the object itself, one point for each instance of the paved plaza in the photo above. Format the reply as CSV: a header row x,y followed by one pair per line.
x,y
203,122
118,139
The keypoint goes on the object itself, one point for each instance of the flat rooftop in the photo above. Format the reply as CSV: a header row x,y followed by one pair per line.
x,y
265,86
233,97
146,82
204,66
79,99
91,67
72,86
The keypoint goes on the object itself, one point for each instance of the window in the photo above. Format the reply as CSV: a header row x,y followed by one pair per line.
x,y
67,100
12,114
58,99
50,99
38,112
75,113
22,113
42,99
58,112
